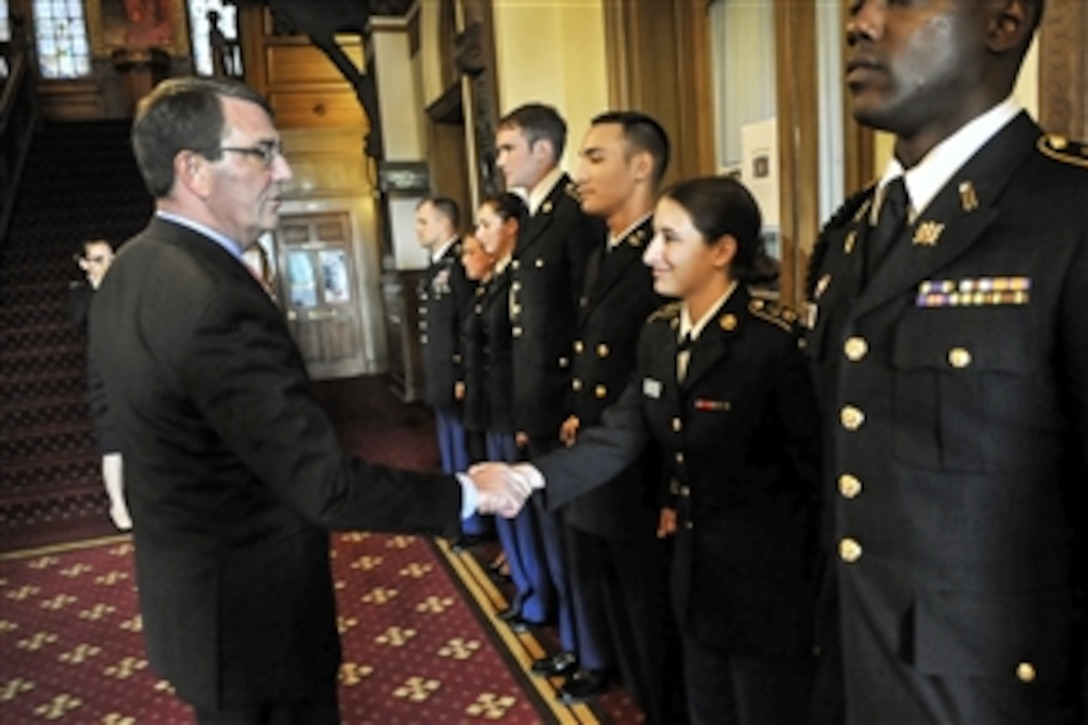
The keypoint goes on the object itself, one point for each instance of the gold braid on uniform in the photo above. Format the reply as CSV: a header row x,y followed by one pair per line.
x,y
819,248
773,312
1062,149
666,312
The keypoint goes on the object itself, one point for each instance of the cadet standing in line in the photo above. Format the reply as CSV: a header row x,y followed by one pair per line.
x,y
547,272
951,351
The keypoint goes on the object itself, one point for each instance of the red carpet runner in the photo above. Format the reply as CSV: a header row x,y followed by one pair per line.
x,y
416,649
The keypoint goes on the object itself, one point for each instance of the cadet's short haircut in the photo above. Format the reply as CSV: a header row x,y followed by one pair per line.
x,y
644,134
538,121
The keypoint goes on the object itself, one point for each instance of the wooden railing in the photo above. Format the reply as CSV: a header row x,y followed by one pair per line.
x,y
18,118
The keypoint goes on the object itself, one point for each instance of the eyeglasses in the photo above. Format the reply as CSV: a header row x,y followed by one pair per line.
x,y
266,151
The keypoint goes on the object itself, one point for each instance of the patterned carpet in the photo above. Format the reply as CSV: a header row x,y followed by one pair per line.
x,y
421,643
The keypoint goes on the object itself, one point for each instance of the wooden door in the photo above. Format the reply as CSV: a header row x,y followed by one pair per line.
x,y
317,287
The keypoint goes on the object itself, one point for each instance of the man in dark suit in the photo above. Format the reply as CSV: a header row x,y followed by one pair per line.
x,y
445,295
547,272
953,371
615,556
233,471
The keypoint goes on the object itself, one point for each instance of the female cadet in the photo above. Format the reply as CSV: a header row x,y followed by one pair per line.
x,y
722,389
491,358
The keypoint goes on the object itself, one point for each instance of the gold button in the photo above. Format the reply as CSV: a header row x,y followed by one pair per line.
x,y
481,291
1025,672
423,324
677,424
423,339
479,309
576,384
958,357
728,323
849,550
849,486
680,457
578,346
851,417
516,264
516,332
601,391
515,309
856,348
685,491
564,362
539,263
689,525
516,286
602,351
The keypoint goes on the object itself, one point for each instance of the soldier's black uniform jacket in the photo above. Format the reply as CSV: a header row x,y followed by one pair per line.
x,y
548,267
954,389
489,385
444,294
740,440
618,296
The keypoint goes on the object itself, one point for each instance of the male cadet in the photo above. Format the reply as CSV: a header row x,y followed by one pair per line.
x,y
615,558
954,380
445,293
547,271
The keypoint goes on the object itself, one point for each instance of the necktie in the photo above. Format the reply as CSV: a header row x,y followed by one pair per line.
x,y
889,224
683,356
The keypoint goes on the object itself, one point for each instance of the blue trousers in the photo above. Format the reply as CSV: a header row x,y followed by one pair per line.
x,y
453,446
534,595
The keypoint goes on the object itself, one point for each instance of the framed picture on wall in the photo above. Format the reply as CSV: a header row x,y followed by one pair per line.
x,y
137,25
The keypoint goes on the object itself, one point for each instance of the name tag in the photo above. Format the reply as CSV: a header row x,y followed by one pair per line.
x,y
651,388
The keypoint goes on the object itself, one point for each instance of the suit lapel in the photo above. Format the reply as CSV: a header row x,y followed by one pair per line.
x,y
955,219
607,269
717,338
540,222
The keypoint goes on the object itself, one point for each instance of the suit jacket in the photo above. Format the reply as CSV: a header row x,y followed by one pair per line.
x,y
548,267
740,439
445,292
489,378
233,474
617,298
954,390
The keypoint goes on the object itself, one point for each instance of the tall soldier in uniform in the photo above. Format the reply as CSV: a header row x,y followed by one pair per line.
x,y
547,272
615,556
444,294
953,370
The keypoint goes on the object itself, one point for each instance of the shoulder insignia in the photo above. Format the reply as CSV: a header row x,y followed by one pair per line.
x,y
1062,149
671,311
571,190
773,312
851,207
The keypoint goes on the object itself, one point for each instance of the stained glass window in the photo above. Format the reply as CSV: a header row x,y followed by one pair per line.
x,y
61,31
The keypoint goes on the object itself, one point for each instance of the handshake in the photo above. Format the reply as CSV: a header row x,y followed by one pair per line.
x,y
503,489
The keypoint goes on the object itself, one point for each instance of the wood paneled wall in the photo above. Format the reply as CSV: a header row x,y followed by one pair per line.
x,y
659,63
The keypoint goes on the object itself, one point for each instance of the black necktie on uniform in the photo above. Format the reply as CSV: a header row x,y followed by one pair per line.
x,y
889,224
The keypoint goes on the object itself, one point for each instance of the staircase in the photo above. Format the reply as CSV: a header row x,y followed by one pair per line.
x,y
80,182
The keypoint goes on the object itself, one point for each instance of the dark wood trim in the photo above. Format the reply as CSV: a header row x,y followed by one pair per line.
x,y
1063,68
798,139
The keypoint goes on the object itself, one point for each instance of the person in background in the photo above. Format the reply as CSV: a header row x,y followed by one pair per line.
x,y
94,259
234,472
444,295
547,273
616,560
950,351
723,390
491,376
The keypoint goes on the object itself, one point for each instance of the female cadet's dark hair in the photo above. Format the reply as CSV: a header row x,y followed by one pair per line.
x,y
182,114
721,205
506,206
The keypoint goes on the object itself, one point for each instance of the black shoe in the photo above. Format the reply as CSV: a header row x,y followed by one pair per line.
x,y
509,614
467,541
520,625
561,665
584,685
